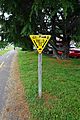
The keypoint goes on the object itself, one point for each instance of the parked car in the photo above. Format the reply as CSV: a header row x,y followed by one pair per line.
x,y
74,52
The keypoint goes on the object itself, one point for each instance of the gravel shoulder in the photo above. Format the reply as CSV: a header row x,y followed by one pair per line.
x,y
16,107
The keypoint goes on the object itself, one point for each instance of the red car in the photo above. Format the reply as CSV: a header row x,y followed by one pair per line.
x,y
73,52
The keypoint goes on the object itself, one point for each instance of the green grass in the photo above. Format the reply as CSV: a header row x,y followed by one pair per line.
x,y
61,87
3,51
6,50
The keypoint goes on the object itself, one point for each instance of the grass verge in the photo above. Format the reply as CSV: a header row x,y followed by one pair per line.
x,y
3,51
61,87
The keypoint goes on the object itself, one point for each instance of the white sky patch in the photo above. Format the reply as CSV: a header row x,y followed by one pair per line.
x,y
60,18
6,15
0,13
0,38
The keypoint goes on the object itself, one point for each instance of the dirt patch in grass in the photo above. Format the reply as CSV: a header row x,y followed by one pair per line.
x,y
60,61
48,99
48,96
63,61
16,107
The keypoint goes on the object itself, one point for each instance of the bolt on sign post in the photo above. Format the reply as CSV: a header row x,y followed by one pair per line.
x,y
40,42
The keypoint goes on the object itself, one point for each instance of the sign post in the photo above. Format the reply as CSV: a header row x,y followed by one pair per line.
x,y
40,42
40,75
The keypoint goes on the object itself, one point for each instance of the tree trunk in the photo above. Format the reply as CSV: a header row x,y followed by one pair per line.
x,y
66,46
26,44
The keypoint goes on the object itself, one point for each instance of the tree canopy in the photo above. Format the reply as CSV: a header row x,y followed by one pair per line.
x,y
60,18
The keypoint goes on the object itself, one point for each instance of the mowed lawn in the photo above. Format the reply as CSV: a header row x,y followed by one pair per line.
x,y
3,52
61,87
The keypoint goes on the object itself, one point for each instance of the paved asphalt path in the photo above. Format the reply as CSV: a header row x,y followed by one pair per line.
x,y
5,63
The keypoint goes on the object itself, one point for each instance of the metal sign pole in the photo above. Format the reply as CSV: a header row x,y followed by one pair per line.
x,y
40,75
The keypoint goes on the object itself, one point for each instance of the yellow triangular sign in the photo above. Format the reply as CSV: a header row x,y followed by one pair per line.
x,y
40,41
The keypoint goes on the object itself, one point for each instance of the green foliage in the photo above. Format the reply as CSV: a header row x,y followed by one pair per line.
x,y
19,11
61,87
4,51
27,17
26,29
3,44
66,5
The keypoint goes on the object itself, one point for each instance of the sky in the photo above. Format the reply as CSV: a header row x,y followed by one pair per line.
x,y
5,14
6,17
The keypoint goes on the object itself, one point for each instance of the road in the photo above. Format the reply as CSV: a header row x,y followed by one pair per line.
x,y
5,63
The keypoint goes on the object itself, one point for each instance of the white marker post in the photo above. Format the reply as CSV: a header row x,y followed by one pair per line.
x,y
40,75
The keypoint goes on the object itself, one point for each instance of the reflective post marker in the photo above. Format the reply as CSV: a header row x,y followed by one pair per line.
x,y
40,75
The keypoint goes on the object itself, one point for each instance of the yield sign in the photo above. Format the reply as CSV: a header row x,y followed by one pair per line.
x,y
40,41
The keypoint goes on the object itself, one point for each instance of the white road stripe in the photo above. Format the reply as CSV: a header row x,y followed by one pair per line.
x,y
1,64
